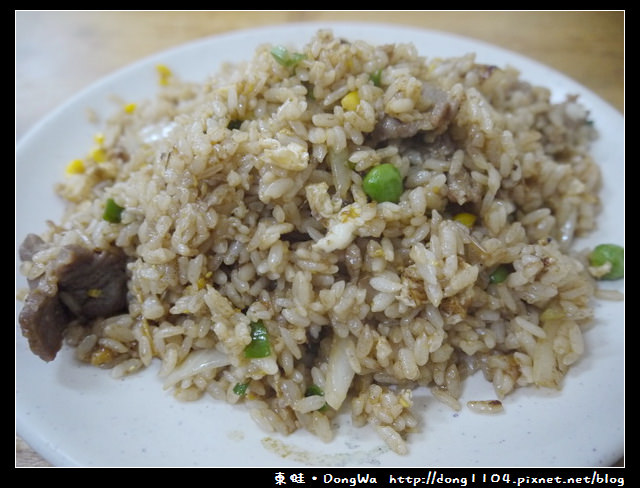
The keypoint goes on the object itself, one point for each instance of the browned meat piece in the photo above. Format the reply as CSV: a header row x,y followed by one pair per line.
x,y
31,245
444,107
81,284
441,109
92,284
391,128
43,320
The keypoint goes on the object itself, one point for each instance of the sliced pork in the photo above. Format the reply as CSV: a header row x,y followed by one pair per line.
x,y
80,284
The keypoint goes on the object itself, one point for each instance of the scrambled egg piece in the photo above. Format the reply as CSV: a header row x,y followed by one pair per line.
x,y
342,223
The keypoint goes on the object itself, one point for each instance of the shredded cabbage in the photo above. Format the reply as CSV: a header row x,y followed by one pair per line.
x,y
195,363
339,373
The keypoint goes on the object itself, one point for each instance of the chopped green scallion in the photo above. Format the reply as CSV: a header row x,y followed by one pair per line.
x,y
112,211
282,55
240,389
500,273
313,390
259,347
376,77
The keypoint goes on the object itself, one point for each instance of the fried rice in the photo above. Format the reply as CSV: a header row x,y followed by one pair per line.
x,y
259,272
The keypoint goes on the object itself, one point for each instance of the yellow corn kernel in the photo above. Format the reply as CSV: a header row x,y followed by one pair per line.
x,y
99,138
404,402
130,108
101,356
435,62
201,283
75,167
465,218
350,101
378,253
98,155
94,292
552,313
164,74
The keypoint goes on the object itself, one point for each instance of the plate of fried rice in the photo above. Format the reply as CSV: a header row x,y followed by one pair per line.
x,y
323,245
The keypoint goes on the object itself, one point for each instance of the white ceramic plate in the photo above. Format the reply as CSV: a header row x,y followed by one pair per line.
x,y
79,416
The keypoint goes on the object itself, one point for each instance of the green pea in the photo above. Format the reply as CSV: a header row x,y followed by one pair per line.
x,y
383,183
609,253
